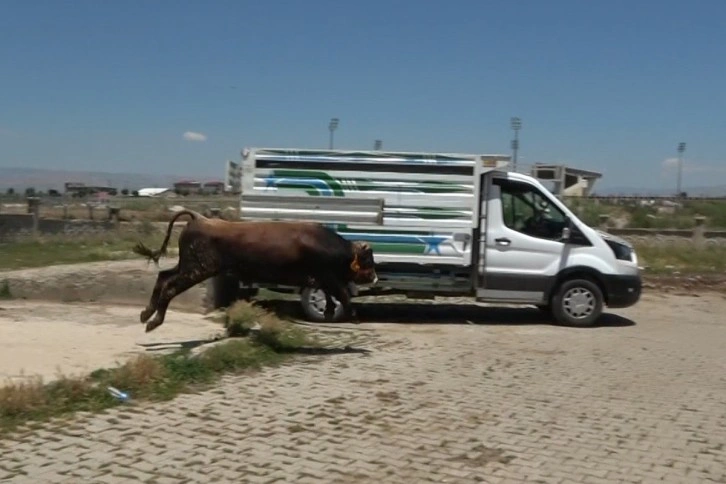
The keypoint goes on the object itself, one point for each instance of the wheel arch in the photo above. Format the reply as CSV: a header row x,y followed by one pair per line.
x,y
578,272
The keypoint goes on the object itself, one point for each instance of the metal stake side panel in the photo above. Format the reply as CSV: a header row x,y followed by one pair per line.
x,y
419,211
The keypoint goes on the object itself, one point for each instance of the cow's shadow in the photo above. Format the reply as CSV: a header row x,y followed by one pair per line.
x,y
444,313
301,350
180,345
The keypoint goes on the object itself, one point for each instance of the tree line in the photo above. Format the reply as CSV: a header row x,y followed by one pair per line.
x,y
32,192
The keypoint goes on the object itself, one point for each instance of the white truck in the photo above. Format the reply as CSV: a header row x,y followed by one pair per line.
x,y
444,224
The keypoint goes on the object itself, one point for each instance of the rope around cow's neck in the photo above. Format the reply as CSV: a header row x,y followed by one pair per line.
x,y
355,265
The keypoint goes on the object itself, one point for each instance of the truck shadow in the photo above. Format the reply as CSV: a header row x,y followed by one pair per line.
x,y
412,313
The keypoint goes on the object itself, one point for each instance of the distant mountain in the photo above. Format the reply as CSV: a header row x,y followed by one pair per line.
x,y
45,179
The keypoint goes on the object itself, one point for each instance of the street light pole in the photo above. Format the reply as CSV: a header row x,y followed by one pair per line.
x,y
332,127
516,126
681,149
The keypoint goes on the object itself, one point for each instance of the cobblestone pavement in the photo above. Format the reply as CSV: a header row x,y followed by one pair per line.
x,y
508,400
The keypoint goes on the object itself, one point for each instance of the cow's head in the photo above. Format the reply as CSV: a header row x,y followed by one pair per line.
x,y
363,266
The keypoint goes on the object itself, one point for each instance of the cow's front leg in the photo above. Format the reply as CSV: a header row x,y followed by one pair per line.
x,y
340,292
329,312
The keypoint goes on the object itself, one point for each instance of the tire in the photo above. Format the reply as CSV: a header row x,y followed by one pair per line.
x,y
248,293
577,302
313,306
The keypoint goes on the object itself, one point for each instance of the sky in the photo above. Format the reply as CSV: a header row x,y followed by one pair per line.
x,y
179,87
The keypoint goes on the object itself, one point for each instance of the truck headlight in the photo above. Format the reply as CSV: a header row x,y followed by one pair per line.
x,y
622,251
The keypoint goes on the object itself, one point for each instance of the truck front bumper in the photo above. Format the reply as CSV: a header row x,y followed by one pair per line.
x,y
623,291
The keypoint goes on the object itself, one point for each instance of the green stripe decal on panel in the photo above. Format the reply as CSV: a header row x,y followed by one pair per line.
x,y
314,182
281,178
388,248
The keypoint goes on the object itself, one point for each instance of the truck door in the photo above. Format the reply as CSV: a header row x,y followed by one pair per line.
x,y
521,243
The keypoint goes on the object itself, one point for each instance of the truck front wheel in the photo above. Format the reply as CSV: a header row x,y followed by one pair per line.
x,y
577,302
313,305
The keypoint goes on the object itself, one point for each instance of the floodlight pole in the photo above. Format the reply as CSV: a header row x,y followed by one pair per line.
x,y
681,149
332,127
516,126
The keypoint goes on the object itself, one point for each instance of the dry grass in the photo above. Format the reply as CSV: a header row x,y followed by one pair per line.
x,y
48,250
682,257
241,318
5,292
245,318
635,215
132,208
19,397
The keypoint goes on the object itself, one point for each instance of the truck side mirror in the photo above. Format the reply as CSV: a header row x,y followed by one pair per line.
x,y
566,231
566,234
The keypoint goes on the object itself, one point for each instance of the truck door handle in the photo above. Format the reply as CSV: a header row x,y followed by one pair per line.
x,y
502,241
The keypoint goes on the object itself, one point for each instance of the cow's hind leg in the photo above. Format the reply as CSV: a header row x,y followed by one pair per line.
x,y
161,279
174,286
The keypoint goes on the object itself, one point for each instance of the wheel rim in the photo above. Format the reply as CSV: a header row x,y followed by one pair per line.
x,y
317,302
579,302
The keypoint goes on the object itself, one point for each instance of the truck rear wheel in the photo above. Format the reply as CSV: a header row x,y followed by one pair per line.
x,y
577,302
313,305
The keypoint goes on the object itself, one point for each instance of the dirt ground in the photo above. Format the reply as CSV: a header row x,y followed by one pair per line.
x,y
50,338
110,282
45,338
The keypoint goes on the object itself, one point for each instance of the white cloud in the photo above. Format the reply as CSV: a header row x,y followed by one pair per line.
x,y
670,162
192,136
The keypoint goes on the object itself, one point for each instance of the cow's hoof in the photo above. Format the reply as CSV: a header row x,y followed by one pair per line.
x,y
145,315
152,325
353,316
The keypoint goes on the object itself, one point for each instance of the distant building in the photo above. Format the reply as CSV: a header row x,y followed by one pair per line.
x,y
76,189
187,187
190,187
156,192
567,181
213,187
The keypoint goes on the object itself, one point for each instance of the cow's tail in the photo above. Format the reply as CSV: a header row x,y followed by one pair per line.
x,y
154,255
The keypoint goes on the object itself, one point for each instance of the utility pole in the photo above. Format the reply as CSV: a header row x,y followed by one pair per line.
x,y
332,127
681,149
516,126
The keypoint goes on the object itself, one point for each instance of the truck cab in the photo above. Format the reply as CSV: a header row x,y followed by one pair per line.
x,y
534,250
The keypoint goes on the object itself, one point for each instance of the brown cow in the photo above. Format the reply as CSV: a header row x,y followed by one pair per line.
x,y
286,253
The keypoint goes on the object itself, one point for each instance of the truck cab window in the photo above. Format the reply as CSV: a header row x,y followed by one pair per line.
x,y
526,210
